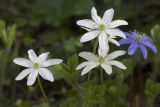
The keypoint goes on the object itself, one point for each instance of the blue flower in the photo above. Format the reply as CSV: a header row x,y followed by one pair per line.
x,y
138,40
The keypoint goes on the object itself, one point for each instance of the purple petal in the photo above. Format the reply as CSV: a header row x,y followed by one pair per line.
x,y
149,45
144,51
128,35
134,34
125,41
133,47
146,38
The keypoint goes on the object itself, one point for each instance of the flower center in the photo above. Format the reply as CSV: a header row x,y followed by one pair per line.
x,y
101,59
102,27
36,65
139,37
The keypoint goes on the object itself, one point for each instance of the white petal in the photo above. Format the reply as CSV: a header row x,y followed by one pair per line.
x,y
42,57
87,29
52,62
89,36
114,42
94,15
32,78
117,63
32,55
87,23
24,73
82,65
46,74
117,23
103,41
107,68
89,56
115,32
88,68
22,62
115,54
103,53
108,16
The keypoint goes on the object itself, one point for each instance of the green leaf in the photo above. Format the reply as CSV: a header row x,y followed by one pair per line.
x,y
72,44
11,35
73,62
2,25
152,89
57,72
115,92
72,102
155,34
94,93
70,75
3,30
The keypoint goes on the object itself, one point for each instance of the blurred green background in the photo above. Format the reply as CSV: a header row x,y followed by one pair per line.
x,y
50,25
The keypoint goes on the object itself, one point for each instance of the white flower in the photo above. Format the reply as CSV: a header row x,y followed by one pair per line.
x,y
103,27
36,65
103,59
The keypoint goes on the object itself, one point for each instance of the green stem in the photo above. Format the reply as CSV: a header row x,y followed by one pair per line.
x,y
43,92
89,76
95,46
101,75
155,68
2,73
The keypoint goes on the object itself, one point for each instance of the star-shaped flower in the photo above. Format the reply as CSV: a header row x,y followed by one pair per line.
x,y
103,59
138,40
36,65
103,27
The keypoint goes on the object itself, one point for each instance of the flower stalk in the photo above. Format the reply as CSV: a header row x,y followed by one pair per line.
x,y
43,92
101,75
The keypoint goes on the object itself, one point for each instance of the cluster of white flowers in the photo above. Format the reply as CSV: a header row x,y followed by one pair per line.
x,y
103,28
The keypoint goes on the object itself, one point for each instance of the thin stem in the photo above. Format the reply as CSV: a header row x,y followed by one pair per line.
x,y
101,75
155,67
95,46
2,73
43,92
89,76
